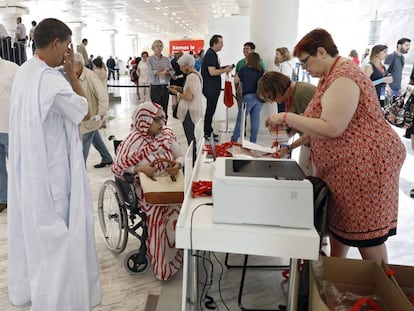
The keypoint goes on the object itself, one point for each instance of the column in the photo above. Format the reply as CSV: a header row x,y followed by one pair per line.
x,y
76,28
273,24
111,34
133,40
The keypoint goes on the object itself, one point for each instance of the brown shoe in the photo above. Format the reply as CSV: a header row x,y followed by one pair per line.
x,y
3,206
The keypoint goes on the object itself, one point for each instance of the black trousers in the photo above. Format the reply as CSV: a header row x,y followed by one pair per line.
x,y
212,98
111,72
188,126
160,95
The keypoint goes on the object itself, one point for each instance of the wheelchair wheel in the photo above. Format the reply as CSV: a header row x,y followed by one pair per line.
x,y
113,218
136,265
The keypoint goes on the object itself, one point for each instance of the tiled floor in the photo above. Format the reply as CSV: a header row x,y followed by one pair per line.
x,y
121,291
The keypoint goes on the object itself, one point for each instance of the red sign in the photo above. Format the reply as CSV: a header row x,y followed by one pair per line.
x,y
186,46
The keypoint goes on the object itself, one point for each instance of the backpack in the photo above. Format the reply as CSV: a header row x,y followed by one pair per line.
x,y
134,74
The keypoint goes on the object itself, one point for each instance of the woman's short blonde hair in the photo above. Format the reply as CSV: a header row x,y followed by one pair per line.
x,y
284,52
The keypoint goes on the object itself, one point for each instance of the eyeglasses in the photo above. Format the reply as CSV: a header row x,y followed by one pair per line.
x,y
159,119
304,61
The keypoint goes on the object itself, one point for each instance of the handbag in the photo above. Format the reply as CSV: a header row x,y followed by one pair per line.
x,y
163,189
400,111
228,92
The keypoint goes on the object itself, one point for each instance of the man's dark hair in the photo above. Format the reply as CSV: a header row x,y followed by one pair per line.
x,y
403,40
215,39
250,45
48,30
34,23
85,40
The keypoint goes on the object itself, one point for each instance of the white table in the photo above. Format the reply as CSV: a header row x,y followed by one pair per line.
x,y
240,239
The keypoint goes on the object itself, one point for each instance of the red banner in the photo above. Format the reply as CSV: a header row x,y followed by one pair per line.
x,y
186,46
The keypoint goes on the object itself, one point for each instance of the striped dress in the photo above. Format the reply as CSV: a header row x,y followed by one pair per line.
x,y
139,149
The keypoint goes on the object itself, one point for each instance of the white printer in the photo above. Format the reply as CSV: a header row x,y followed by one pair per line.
x,y
262,191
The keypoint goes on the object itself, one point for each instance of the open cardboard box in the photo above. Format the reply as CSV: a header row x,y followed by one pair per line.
x,y
402,277
363,277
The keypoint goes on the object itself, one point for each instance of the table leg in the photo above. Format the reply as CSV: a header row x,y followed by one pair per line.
x,y
193,280
184,287
293,285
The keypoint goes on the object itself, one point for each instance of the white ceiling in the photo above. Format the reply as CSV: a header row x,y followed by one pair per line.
x,y
172,18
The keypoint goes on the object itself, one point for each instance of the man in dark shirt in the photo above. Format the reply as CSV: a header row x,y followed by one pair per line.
x,y
395,64
110,64
211,73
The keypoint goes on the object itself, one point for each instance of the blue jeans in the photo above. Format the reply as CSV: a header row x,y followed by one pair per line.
x,y
395,92
4,143
253,107
96,139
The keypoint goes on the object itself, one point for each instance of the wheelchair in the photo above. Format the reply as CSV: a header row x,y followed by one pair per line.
x,y
120,215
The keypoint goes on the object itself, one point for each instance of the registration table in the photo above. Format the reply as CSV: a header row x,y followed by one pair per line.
x,y
196,231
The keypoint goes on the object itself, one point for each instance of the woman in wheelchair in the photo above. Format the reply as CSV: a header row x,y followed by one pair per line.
x,y
151,139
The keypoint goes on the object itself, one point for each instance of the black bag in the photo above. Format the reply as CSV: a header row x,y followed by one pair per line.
x,y
400,111
321,198
134,74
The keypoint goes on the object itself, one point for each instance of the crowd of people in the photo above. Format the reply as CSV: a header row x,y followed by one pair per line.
x,y
344,140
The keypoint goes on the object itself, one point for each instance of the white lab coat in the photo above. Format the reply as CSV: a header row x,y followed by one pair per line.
x,y
52,256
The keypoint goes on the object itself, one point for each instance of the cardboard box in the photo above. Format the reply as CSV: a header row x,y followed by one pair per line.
x,y
362,277
402,277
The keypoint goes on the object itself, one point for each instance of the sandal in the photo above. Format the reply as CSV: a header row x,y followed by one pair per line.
x,y
412,193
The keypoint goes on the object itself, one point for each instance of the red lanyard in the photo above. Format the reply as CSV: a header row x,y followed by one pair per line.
x,y
366,301
41,58
289,98
333,66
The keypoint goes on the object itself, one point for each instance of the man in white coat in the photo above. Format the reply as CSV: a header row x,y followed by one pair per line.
x,y
52,256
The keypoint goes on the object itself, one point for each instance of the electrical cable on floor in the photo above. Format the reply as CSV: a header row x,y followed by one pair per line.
x,y
219,282
209,301
205,260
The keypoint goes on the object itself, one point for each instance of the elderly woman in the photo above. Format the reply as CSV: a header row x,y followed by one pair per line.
x,y
353,148
189,110
149,140
277,87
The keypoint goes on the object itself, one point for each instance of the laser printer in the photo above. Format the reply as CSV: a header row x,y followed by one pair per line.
x,y
261,191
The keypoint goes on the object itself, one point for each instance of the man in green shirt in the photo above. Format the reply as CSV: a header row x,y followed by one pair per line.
x,y
248,47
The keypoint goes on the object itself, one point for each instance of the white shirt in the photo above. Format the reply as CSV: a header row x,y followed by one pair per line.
x,y
20,32
7,73
144,77
287,68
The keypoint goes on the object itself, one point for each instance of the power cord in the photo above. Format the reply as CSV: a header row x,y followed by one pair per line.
x,y
209,301
219,282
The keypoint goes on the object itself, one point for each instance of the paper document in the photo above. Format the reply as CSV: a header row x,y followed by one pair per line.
x,y
252,146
